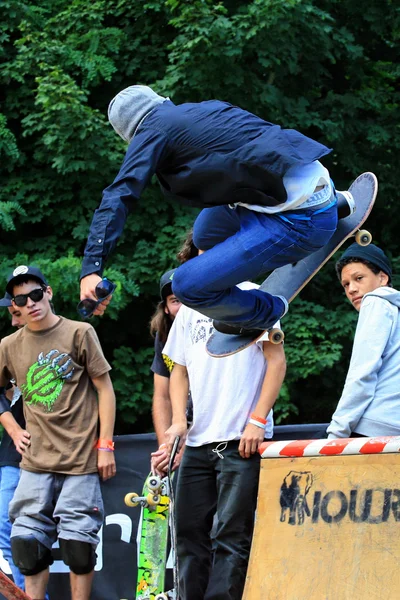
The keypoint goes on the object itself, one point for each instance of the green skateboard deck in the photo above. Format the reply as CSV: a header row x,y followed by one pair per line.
x,y
152,546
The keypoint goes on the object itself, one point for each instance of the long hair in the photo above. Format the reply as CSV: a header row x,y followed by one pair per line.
x,y
161,322
188,250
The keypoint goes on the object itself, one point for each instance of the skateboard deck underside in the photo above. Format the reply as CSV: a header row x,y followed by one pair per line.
x,y
290,279
152,549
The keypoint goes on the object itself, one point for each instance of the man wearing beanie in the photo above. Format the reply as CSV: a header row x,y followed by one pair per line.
x,y
370,402
267,200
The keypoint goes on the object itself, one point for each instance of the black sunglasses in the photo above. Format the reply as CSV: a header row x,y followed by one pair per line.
x,y
103,289
35,295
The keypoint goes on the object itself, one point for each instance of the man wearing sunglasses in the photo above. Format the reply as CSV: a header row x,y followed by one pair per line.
x,y
59,366
267,200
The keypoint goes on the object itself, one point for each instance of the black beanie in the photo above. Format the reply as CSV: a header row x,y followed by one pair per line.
x,y
372,254
166,284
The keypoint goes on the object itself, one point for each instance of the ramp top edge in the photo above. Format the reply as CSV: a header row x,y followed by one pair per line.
x,y
325,447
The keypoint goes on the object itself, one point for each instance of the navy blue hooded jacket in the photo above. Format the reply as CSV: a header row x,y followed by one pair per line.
x,y
204,154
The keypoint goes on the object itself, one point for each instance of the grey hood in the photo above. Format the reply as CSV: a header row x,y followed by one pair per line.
x,y
128,109
388,293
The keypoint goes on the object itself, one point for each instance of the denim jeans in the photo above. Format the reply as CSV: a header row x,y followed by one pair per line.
x,y
209,484
242,245
9,477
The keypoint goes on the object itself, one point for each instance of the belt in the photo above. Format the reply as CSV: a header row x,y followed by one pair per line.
x,y
321,207
296,216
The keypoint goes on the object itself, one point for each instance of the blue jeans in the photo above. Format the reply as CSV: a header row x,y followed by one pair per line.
x,y
9,477
242,245
227,487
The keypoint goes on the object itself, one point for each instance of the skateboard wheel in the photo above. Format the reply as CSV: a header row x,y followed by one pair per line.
x,y
154,483
276,336
161,597
130,499
363,237
153,500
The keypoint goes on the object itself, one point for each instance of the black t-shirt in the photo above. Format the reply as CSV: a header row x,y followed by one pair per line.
x,y
9,457
161,365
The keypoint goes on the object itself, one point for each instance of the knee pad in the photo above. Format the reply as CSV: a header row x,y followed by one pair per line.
x,y
29,555
79,556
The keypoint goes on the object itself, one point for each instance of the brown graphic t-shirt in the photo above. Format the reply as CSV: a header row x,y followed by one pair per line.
x,y
53,368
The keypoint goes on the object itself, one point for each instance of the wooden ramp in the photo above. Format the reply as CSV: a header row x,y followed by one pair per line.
x,y
327,522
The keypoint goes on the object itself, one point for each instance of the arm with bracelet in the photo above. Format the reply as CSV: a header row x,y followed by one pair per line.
x,y
254,432
105,445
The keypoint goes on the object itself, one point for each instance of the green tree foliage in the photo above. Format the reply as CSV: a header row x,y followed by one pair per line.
x,y
327,68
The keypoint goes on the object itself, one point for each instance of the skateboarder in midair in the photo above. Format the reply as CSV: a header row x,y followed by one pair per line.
x,y
266,199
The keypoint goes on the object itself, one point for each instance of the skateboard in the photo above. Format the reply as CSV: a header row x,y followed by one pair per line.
x,y
152,555
10,590
289,280
156,502
172,524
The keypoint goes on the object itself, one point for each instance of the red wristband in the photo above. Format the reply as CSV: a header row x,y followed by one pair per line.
x,y
105,445
259,419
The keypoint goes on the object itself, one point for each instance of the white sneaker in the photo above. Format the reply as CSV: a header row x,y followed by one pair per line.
x,y
285,302
346,204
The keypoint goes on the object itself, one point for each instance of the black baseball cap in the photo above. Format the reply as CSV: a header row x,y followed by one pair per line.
x,y
6,301
26,271
166,284
372,254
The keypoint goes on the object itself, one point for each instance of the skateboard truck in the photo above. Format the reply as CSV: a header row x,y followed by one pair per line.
x,y
156,489
275,335
132,499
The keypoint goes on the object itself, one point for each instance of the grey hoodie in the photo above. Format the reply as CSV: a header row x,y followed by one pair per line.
x,y
129,108
370,402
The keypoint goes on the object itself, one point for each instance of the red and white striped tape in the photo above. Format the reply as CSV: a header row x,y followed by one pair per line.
x,y
342,446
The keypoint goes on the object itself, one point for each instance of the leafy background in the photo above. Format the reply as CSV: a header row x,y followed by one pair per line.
x,y
328,68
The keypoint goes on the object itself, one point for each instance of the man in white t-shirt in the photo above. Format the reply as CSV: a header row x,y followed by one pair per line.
x,y
232,414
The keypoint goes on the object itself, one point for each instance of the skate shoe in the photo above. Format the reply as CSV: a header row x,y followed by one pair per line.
x,y
240,330
345,203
